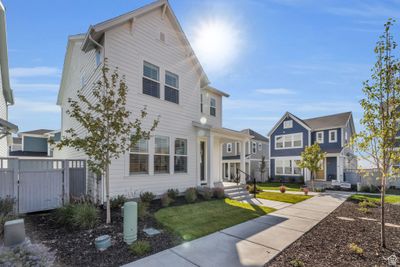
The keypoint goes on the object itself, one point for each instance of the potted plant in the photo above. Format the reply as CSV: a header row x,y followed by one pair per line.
x,y
282,188
305,190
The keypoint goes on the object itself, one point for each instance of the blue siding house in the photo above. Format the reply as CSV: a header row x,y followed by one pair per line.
x,y
33,143
291,135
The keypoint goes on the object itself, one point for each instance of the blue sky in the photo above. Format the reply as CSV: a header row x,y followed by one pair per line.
x,y
306,57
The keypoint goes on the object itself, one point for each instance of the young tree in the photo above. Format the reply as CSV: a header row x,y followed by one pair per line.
x,y
110,128
310,159
376,143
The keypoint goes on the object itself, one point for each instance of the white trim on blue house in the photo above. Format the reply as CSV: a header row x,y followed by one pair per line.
x,y
288,114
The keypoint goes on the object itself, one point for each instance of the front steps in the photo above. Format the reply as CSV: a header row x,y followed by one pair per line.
x,y
236,192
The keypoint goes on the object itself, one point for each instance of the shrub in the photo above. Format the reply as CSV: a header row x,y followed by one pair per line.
x,y
191,195
320,190
207,193
356,249
85,216
282,188
366,204
296,263
117,201
147,197
250,188
173,193
64,214
165,200
7,205
140,247
218,192
143,210
364,209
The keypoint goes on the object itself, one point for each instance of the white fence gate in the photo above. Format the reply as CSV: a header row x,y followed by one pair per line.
x,y
41,184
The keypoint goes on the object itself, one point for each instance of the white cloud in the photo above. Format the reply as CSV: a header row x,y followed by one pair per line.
x,y
276,91
29,106
34,72
35,86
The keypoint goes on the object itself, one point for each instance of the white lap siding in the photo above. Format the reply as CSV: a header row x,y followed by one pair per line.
x,y
4,116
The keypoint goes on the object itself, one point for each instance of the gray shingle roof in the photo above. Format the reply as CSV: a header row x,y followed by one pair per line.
x,y
330,121
38,131
256,135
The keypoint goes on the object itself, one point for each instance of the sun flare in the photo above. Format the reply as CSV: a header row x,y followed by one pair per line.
x,y
216,43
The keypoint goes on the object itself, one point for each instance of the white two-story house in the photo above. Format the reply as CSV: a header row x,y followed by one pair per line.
x,y
163,73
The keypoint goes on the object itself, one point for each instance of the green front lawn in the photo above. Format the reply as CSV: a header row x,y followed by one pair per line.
x,y
192,221
275,186
283,197
388,199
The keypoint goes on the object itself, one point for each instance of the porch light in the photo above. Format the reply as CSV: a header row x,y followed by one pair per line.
x,y
203,120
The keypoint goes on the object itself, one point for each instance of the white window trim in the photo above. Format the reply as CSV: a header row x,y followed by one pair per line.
x,y
229,147
288,124
159,154
214,107
148,160
291,167
292,147
330,139
172,74
317,139
151,79
180,155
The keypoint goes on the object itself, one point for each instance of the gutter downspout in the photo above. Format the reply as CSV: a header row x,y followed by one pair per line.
x,y
4,58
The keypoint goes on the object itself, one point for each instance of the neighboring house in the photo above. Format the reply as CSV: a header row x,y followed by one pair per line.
x,y
33,143
255,149
162,72
291,135
6,94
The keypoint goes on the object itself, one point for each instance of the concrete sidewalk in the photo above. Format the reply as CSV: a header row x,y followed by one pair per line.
x,y
252,243
292,192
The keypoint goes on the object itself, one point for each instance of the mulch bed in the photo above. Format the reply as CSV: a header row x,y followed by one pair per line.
x,y
327,244
76,247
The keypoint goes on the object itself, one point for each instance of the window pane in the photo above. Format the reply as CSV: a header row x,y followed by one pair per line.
x,y
162,145
180,146
171,95
297,140
279,170
213,111
212,102
279,142
296,169
151,88
288,141
151,71
171,79
180,164
142,146
288,166
161,164
138,163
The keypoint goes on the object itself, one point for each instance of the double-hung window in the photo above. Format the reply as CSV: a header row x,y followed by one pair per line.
x,y
320,137
171,87
151,79
229,147
332,136
289,141
287,167
201,103
139,157
180,156
253,147
161,154
213,107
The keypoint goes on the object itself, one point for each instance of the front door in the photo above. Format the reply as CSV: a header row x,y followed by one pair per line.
x,y
320,175
203,162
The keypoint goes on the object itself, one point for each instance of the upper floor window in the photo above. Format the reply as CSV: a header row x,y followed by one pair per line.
x,y
229,147
259,146
213,107
287,124
332,136
151,77
289,141
161,154
139,157
98,57
320,137
171,87
254,147
180,156
201,103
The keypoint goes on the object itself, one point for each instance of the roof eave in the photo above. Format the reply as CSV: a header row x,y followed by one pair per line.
x,y
5,76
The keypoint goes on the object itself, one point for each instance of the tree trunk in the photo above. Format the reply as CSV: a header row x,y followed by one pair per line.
x,y
108,219
312,181
383,190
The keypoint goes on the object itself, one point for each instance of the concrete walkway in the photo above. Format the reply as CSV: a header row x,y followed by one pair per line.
x,y
292,192
267,203
252,243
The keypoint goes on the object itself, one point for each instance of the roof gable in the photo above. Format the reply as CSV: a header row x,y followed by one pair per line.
x,y
256,136
289,115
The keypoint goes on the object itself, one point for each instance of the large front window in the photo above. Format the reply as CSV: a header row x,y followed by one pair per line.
x,y
180,155
289,141
139,157
151,78
161,154
287,167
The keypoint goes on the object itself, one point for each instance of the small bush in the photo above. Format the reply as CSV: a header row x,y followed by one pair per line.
x,y
118,201
143,210
147,197
320,190
282,188
191,195
218,192
63,215
363,209
85,216
356,249
250,188
296,263
7,205
205,192
165,200
140,248
366,204
173,193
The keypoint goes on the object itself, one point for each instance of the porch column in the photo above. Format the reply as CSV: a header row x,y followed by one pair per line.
x,y
211,163
243,161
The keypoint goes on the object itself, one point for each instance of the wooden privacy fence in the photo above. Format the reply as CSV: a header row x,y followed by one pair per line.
x,y
41,184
